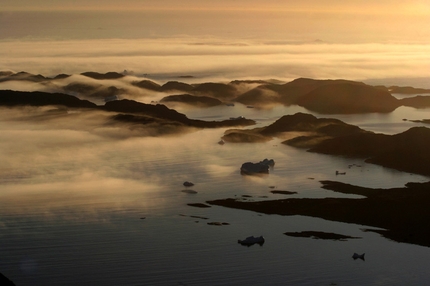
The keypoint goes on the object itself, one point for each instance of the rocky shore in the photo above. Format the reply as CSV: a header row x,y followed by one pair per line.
x,y
401,213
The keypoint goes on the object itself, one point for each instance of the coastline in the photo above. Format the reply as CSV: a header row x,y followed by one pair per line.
x,y
402,213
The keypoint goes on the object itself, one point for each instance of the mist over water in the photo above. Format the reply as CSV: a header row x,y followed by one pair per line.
x,y
84,201
113,209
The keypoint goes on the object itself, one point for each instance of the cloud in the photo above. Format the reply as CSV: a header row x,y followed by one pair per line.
x,y
253,59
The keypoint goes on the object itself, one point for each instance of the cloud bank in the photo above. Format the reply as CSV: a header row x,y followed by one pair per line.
x,y
215,59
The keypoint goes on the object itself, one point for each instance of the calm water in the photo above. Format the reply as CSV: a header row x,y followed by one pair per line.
x,y
72,202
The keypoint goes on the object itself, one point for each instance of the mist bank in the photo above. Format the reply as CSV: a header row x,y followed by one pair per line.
x,y
218,59
321,96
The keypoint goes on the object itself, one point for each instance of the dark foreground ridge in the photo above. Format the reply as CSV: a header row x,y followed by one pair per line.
x,y
402,213
127,111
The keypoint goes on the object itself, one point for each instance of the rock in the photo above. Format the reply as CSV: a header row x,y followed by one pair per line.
x,y
261,167
358,256
189,191
188,184
5,281
251,240
199,205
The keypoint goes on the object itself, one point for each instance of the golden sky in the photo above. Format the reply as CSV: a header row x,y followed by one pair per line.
x,y
418,7
329,20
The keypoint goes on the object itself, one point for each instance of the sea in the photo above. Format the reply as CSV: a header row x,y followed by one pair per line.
x,y
79,208
84,203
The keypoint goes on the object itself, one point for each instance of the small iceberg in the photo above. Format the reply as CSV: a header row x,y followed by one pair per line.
x,y
251,240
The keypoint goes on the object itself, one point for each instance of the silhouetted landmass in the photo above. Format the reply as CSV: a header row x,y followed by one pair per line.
x,y
5,73
163,112
320,235
201,101
283,192
402,212
158,111
244,136
36,98
322,96
107,92
147,84
176,85
348,98
316,130
406,151
407,90
418,101
23,76
4,281
425,121
307,122
61,76
108,75
263,95
81,88
216,90
128,111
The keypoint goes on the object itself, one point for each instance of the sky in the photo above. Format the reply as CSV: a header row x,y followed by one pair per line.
x,y
355,6
225,38
332,20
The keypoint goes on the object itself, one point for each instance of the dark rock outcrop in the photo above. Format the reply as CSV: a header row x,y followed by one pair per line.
x,y
347,98
25,76
418,101
4,281
108,75
201,101
176,85
217,90
407,151
402,212
162,112
147,84
36,98
407,90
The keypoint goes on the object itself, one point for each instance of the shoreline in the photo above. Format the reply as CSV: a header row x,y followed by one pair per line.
x,y
402,213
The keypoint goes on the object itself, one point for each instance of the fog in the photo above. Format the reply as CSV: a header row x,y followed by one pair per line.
x,y
216,59
60,162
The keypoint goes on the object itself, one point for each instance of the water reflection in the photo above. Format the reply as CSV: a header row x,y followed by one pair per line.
x,y
72,200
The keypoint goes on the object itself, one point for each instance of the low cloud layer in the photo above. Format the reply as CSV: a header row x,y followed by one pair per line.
x,y
216,60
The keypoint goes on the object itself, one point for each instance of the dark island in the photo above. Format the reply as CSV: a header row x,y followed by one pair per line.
x,y
323,96
402,213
